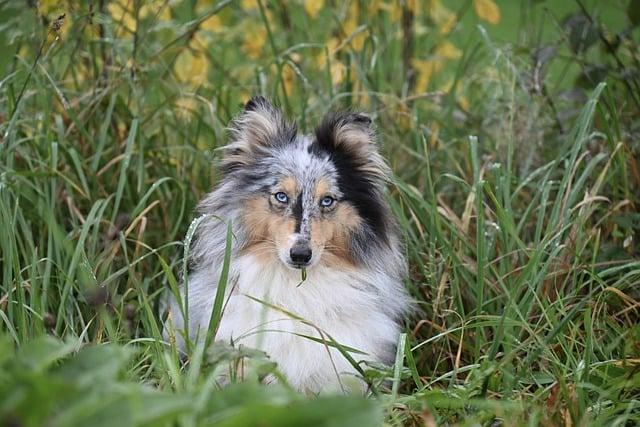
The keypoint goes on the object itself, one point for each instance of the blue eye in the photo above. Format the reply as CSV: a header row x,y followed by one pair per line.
x,y
281,197
327,202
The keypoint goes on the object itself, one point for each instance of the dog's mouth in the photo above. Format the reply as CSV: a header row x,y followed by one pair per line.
x,y
299,265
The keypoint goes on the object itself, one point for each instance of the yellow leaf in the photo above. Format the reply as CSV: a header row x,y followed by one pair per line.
x,y
191,67
374,7
447,50
23,52
350,26
448,24
254,42
332,48
156,7
289,78
122,16
464,103
185,107
443,18
357,41
487,10
213,24
434,134
394,9
425,69
249,4
338,72
313,7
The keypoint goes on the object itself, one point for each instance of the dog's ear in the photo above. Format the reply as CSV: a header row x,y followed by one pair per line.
x,y
345,131
259,127
350,136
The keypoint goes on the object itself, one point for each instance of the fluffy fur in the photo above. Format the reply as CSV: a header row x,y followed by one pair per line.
x,y
337,222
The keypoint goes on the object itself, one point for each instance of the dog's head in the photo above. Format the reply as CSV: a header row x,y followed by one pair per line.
x,y
308,199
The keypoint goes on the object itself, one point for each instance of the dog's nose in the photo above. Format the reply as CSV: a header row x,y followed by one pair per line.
x,y
300,254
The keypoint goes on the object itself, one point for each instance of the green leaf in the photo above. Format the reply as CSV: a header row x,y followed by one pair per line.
x,y
39,354
334,411
95,364
153,407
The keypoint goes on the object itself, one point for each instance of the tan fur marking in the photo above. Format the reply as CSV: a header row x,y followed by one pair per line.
x,y
290,186
331,234
322,188
260,126
266,229
353,138
361,142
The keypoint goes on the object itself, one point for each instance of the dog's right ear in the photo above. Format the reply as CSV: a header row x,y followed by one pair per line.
x,y
258,128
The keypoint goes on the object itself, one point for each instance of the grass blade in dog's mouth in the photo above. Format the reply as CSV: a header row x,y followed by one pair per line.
x,y
303,276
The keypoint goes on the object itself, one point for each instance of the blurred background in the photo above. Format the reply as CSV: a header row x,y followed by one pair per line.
x,y
511,126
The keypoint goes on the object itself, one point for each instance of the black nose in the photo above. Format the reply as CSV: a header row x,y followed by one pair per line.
x,y
300,254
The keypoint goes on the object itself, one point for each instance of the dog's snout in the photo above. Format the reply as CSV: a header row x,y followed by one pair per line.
x,y
300,254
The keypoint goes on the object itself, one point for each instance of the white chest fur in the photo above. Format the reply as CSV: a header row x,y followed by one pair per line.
x,y
343,305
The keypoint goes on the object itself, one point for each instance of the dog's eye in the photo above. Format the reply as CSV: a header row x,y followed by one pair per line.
x,y
327,202
281,197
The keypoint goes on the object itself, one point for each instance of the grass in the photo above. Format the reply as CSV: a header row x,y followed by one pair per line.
x,y
518,205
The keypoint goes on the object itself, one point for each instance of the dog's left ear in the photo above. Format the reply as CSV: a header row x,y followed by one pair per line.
x,y
351,136
259,127
261,124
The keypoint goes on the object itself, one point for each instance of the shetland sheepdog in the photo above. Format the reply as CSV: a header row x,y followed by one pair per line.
x,y
315,251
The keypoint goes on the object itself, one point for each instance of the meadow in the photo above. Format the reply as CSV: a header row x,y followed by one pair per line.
x,y
512,128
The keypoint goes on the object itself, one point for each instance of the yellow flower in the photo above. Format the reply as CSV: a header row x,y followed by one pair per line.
x,y
338,72
159,7
487,10
443,18
122,16
394,10
448,24
447,50
464,103
375,6
249,4
254,42
288,78
425,69
351,24
191,67
332,48
313,7
213,24
185,106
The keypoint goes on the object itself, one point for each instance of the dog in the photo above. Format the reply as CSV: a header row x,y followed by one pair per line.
x,y
300,205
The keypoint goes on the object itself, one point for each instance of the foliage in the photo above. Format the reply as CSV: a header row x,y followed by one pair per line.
x,y
48,387
522,239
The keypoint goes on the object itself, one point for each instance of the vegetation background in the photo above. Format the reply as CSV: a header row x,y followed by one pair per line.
x,y
513,129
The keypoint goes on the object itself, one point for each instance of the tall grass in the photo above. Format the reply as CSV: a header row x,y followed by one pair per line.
x,y
518,207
